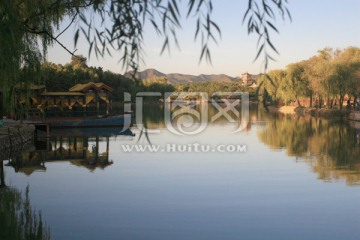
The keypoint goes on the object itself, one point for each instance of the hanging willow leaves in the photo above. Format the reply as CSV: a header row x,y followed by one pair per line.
x,y
260,20
127,18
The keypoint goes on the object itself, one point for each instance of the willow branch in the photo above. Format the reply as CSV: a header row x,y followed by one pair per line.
x,y
72,21
45,32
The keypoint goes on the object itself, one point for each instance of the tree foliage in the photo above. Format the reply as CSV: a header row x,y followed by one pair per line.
x,y
60,78
296,84
330,75
273,83
260,19
210,87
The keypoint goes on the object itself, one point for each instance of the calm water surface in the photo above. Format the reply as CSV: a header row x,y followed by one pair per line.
x,y
298,179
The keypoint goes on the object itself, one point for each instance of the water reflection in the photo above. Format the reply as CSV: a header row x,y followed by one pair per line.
x,y
87,148
331,148
154,114
259,194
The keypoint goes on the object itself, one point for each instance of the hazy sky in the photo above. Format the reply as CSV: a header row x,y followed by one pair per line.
x,y
316,24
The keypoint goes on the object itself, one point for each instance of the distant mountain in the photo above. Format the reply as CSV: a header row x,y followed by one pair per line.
x,y
148,73
175,78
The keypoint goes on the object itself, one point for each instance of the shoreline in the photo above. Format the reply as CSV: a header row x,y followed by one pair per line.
x,y
313,112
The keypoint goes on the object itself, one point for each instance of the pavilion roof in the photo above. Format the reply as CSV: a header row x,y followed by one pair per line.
x,y
86,86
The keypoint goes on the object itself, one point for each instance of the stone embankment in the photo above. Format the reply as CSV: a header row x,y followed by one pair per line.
x,y
14,137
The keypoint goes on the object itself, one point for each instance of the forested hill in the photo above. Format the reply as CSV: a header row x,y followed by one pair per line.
x,y
60,78
176,78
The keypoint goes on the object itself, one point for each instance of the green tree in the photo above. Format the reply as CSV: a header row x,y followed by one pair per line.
x,y
319,71
159,80
27,28
78,61
296,83
272,82
333,74
345,76
340,81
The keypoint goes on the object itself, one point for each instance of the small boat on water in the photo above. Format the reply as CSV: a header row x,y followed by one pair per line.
x,y
113,121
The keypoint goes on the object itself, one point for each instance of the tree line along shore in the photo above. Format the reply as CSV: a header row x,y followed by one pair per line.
x,y
330,79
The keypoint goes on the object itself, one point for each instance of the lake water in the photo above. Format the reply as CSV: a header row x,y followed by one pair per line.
x,y
290,178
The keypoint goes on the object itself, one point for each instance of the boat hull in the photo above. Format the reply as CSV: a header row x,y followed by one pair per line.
x,y
115,121
86,132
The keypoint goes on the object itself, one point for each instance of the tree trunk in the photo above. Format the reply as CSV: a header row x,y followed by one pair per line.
x,y
354,102
298,102
311,99
1,106
2,177
341,102
332,102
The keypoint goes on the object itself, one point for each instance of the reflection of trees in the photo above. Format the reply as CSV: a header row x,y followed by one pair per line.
x,y
26,160
331,148
17,218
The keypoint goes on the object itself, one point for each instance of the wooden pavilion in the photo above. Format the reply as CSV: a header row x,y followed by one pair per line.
x,y
90,99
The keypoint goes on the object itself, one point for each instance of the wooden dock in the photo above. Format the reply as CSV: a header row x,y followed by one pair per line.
x,y
39,126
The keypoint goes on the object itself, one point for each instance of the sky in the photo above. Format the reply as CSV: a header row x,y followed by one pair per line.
x,y
315,24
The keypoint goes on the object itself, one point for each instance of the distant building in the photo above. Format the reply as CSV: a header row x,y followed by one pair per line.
x,y
246,78
250,80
